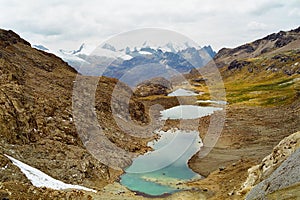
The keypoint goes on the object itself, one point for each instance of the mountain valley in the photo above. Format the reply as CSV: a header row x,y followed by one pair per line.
x,y
38,121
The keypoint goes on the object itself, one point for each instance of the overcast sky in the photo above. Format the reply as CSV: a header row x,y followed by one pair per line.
x,y
221,23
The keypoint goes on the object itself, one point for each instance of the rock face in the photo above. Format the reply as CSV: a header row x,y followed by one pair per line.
x,y
156,86
276,171
237,64
37,125
286,175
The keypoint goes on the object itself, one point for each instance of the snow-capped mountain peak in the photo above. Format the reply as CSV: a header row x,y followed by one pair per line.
x,y
173,47
79,50
108,47
87,49
83,49
117,60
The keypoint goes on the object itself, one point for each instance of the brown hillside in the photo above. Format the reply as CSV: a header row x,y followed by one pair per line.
x,y
36,117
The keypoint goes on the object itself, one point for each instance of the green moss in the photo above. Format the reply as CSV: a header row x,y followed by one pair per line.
x,y
275,101
272,86
240,99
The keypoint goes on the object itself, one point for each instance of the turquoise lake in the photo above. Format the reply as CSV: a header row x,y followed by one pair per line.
x,y
161,171
158,172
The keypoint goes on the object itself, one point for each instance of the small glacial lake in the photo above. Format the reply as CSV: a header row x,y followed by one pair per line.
x,y
187,112
156,173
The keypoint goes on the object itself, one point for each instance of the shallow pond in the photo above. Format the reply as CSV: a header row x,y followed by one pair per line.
x,y
183,92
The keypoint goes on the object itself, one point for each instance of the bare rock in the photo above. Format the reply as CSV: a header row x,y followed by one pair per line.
x,y
156,86
269,164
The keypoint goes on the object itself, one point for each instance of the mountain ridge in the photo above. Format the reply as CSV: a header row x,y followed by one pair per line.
x,y
270,44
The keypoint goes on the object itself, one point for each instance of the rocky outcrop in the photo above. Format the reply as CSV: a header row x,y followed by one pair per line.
x,y
278,161
285,176
156,86
237,64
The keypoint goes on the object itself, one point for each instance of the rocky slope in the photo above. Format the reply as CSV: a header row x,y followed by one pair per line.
x,y
274,43
278,170
37,125
269,164
156,86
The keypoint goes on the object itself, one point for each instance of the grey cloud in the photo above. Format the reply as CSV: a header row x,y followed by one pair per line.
x,y
267,7
65,24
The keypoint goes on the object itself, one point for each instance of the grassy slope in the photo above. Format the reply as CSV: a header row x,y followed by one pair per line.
x,y
261,87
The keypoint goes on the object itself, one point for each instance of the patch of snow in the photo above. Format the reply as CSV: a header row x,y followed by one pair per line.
x,y
176,46
126,57
110,54
5,167
145,53
67,56
213,102
40,179
170,46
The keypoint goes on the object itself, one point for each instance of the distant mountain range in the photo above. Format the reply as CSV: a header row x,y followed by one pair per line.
x,y
153,60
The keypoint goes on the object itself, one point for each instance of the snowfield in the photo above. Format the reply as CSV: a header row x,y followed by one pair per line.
x,y
40,179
